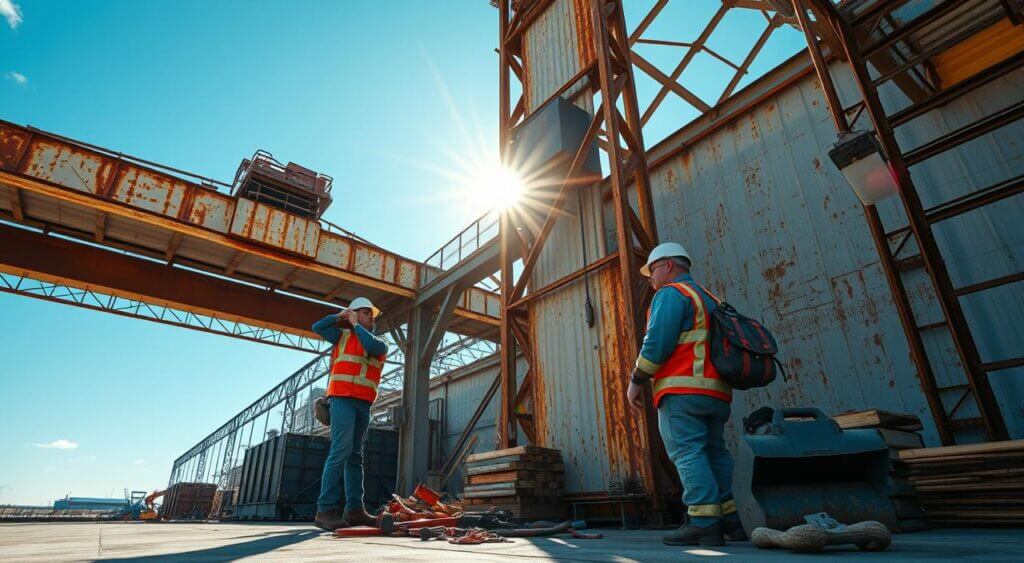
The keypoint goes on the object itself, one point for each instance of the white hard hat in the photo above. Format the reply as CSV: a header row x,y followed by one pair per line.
x,y
363,303
662,251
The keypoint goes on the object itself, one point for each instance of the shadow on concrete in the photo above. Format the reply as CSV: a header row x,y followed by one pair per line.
x,y
232,551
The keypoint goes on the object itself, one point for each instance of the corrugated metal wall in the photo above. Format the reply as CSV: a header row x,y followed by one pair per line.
x,y
775,229
579,389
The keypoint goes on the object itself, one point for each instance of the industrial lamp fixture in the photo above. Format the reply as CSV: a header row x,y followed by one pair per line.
x,y
859,157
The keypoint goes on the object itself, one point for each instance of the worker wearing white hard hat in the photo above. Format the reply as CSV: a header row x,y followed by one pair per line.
x,y
357,361
692,400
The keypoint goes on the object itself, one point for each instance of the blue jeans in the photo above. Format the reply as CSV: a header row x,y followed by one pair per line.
x,y
692,428
349,419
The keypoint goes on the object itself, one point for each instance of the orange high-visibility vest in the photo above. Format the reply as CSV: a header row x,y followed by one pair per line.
x,y
353,373
689,371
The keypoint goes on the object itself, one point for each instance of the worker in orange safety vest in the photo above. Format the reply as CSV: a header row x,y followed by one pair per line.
x,y
357,359
692,400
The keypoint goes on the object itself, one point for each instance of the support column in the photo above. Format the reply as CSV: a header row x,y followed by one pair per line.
x,y
422,338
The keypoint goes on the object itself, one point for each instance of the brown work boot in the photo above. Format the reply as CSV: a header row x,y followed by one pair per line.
x,y
359,517
329,520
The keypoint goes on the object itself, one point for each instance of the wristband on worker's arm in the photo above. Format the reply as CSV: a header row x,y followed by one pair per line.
x,y
639,377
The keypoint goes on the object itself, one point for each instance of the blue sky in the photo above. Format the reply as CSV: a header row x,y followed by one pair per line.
x,y
384,96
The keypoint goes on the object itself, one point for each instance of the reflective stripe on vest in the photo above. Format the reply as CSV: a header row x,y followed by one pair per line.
x,y
353,373
687,370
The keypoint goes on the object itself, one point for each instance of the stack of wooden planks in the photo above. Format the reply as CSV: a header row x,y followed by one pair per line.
x,y
976,484
526,480
900,432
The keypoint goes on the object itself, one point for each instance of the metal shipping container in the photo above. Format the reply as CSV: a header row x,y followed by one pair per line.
x,y
281,476
190,501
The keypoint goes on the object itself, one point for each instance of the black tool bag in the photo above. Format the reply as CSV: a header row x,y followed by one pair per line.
x,y
742,350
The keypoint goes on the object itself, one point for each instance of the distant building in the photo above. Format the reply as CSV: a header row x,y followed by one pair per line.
x,y
304,422
89,503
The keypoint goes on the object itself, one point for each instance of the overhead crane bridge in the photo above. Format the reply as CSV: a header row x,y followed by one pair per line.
x,y
95,228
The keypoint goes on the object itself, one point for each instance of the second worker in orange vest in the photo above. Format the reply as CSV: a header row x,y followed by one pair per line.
x,y
357,359
692,400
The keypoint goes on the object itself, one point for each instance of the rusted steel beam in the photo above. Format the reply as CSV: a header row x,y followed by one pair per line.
x,y
685,62
745,65
824,76
122,210
16,204
647,21
236,261
561,282
611,37
101,226
505,431
172,247
57,260
290,278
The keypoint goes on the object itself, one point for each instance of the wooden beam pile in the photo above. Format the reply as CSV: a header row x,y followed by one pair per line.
x,y
970,485
900,432
526,480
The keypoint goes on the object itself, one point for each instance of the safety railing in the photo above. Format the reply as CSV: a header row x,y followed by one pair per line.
x,y
461,246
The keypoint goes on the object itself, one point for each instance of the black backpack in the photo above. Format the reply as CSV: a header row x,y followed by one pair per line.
x,y
741,349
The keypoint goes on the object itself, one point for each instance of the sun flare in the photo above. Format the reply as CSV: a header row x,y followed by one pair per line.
x,y
495,187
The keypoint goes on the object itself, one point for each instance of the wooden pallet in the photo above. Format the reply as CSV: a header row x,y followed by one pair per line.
x,y
526,480
972,484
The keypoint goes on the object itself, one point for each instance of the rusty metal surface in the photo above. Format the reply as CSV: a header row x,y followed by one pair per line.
x,y
81,190
550,59
50,258
579,372
275,228
775,230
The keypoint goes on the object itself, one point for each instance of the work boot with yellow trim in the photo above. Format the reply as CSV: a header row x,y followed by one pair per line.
x,y
692,534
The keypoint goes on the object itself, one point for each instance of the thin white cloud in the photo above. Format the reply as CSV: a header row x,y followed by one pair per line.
x,y
11,12
140,462
61,444
18,78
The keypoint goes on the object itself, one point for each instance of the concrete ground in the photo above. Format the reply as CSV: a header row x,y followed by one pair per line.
x,y
228,541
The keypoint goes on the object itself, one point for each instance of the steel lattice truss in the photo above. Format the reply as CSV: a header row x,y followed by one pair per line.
x,y
776,13
287,405
89,299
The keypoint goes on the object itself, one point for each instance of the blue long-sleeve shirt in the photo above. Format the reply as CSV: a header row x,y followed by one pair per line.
x,y
671,315
329,329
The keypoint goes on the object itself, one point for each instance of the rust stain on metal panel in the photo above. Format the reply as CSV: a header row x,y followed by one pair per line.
x,y
13,143
368,261
626,430
150,191
851,289
585,48
275,228
389,268
68,166
211,210
333,250
408,274
538,399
